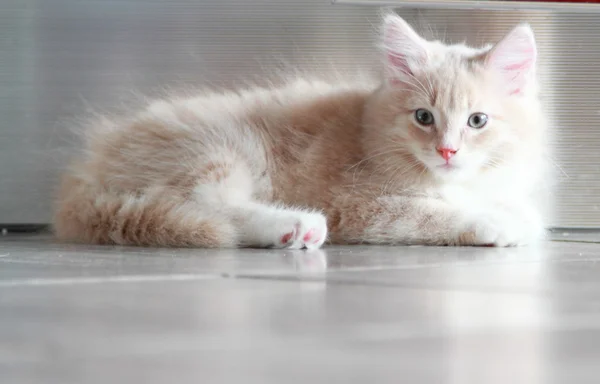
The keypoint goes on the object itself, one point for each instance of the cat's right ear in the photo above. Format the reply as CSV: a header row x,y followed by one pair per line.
x,y
514,58
405,51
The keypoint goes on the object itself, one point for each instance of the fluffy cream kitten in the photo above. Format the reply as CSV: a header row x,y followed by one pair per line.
x,y
446,149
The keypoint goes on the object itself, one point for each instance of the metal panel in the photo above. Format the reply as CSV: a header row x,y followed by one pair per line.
x,y
58,56
570,6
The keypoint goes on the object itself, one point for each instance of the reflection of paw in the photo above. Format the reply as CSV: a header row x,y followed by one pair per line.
x,y
502,229
311,261
298,230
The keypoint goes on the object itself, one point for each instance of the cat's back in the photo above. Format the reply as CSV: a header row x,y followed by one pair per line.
x,y
168,130
242,104
202,113
299,111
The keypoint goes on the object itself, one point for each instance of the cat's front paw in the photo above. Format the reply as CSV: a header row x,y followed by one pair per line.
x,y
502,229
301,230
284,228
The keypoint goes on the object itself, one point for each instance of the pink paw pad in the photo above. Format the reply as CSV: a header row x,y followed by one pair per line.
x,y
312,236
308,235
287,237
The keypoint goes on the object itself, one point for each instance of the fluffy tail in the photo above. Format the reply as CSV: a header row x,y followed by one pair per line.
x,y
87,215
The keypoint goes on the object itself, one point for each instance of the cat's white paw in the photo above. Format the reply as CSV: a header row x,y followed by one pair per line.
x,y
505,229
285,228
301,230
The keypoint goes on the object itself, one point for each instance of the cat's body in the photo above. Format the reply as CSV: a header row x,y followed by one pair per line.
x,y
309,160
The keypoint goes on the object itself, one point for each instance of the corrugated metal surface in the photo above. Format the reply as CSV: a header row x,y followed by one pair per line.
x,y
570,6
60,55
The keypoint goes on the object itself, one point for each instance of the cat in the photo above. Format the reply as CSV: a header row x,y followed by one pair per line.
x,y
446,147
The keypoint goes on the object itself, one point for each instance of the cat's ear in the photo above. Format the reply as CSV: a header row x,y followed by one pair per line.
x,y
405,51
514,58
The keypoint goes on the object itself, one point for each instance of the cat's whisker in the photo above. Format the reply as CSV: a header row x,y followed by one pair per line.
x,y
417,85
396,173
385,151
418,89
431,87
557,166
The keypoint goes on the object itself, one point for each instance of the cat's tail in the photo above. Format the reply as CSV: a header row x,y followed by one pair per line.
x,y
159,218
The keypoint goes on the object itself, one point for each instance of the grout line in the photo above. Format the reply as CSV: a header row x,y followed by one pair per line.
x,y
397,285
575,241
102,280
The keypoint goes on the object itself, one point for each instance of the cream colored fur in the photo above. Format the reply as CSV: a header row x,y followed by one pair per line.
x,y
310,161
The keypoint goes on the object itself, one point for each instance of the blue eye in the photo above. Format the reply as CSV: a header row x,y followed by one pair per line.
x,y
478,120
424,117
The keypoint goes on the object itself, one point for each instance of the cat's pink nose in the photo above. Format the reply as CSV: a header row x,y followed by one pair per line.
x,y
446,153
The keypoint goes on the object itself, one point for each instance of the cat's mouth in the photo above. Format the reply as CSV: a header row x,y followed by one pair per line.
x,y
447,166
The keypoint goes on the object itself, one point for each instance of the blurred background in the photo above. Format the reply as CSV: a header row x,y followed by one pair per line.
x,y
62,59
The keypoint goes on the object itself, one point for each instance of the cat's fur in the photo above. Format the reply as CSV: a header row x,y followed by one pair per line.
x,y
311,161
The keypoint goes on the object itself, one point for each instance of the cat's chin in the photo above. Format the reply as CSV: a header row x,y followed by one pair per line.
x,y
450,172
447,167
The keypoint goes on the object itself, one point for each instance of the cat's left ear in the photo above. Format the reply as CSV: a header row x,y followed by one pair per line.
x,y
514,58
405,51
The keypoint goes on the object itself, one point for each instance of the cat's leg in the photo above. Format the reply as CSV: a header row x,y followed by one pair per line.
x,y
232,189
213,204
269,226
155,218
424,220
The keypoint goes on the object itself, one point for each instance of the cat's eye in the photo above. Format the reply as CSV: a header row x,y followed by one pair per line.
x,y
478,120
424,117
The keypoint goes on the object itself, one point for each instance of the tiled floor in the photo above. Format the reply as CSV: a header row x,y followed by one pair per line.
x,y
77,314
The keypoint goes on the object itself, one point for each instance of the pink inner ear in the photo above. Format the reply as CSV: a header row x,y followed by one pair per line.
x,y
399,63
403,49
517,71
515,92
514,57
400,67
522,66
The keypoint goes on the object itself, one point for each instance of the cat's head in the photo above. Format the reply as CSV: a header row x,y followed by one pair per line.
x,y
451,110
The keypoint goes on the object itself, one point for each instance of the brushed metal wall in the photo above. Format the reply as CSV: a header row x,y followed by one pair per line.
x,y
60,56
